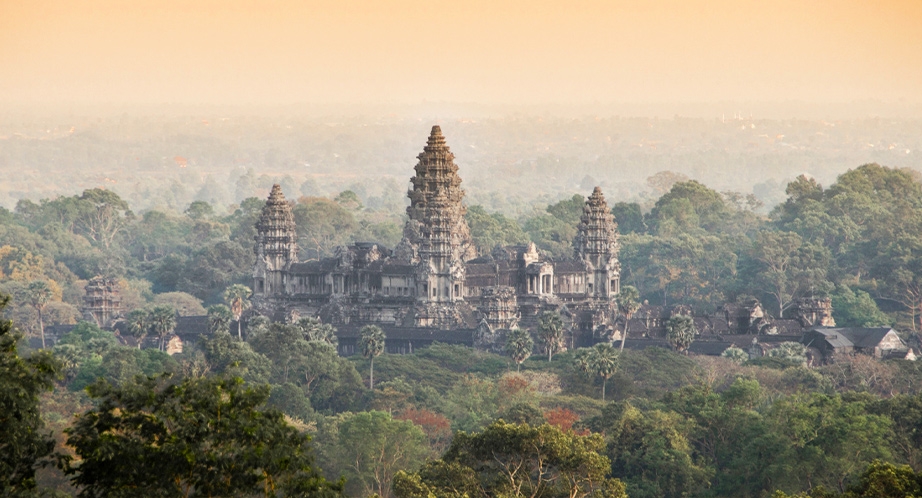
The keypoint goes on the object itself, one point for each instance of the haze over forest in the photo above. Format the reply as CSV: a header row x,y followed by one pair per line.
x,y
735,311
537,101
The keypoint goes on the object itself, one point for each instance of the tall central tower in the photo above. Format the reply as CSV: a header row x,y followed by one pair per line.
x,y
276,246
436,237
596,244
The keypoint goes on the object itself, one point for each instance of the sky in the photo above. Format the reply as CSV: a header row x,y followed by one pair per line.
x,y
480,51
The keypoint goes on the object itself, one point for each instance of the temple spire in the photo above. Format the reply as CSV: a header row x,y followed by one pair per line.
x,y
596,244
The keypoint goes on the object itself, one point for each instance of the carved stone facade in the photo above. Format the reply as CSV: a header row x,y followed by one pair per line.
x,y
433,278
102,301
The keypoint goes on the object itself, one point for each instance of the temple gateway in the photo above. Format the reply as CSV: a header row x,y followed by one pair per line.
x,y
433,285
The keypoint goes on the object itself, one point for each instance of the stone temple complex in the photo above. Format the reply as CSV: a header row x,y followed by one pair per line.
x,y
436,286
433,285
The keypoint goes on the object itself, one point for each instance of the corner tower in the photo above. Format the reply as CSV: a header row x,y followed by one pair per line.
x,y
436,237
276,245
596,244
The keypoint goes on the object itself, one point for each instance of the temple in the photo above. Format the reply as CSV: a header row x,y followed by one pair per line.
x,y
434,287
433,281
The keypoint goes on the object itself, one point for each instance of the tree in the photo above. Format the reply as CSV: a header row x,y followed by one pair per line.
x,y
372,341
736,355
163,321
681,332
202,437
550,330
234,358
139,324
885,480
793,352
22,441
856,309
370,447
185,304
40,293
103,214
219,318
600,360
519,346
788,267
515,460
284,345
628,301
653,452
314,330
237,297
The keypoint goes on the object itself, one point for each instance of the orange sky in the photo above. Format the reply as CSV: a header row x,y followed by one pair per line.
x,y
491,51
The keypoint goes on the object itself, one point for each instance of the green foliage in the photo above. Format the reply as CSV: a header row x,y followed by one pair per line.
x,y
519,346
793,352
163,321
688,207
23,445
491,230
322,225
629,217
856,308
219,318
550,332
600,360
653,451
372,342
314,330
736,355
207,437
289,398
231,357
237,297
370,448
680,332
515,460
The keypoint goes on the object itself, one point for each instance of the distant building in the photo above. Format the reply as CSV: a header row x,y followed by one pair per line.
x,y
433,279
102,301
879,342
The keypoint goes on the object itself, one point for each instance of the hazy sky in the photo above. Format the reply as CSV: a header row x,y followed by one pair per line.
x,y
407,51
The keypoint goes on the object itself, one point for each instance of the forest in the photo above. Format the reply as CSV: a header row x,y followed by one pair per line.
x,y
279,413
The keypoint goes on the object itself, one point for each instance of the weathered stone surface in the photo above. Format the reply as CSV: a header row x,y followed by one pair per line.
x,y
102,301
433,278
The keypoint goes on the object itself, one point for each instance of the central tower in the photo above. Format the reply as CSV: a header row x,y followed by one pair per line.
x,y
436,238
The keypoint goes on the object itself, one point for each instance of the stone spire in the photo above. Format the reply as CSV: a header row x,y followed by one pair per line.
x,y
436,237
436,226
276,242
102,301
596,243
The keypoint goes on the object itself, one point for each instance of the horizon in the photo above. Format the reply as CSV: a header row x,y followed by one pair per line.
x,y
509,54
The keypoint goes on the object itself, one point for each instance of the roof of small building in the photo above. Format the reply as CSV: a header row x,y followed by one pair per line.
x,y
845,337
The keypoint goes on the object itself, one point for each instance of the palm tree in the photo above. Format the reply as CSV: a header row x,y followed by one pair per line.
x,y
219,318
163,321
680,332
519,346
237,297
138,322
628,301
372,340
40,293
600,360
550,330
